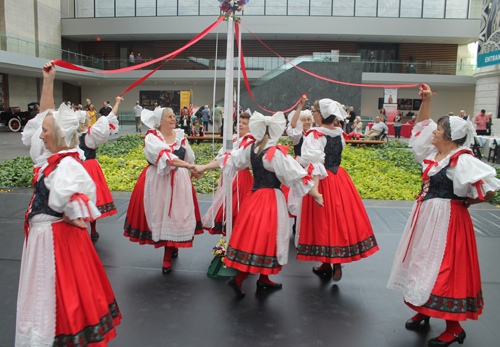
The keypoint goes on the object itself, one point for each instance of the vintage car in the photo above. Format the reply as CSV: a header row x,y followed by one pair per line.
x,y
15,119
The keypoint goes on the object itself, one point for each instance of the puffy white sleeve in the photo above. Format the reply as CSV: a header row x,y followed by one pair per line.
x,y
421,137
157,152
295,134
289,172
100,131
72,191
472,178
37,147
189,158
220,153
313,153
238,159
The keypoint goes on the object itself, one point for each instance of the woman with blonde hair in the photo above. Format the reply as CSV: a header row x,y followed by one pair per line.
x,y
358,129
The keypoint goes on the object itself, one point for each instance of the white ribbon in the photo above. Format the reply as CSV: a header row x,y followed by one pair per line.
x,y
259,122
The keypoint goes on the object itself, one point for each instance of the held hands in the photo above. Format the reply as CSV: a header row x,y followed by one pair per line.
x,y
79,223
49,71
196,174
425,92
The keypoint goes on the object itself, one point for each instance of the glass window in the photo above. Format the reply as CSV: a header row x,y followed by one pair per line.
x,y
254,7
388,8
433,9
84,8
275,7
125,8
167,7
105,8
411,9
475,9
343,7
209,7
456,8
366,8
298,7
188,7
145,8
321,8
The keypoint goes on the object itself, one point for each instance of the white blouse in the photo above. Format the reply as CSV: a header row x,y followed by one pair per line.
x,y
313,149
100,131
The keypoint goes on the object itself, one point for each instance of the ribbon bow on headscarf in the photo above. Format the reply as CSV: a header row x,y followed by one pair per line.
x,y
461,128
259,122
152,118
329,107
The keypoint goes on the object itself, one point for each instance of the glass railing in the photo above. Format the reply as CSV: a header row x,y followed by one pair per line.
x,y
448,9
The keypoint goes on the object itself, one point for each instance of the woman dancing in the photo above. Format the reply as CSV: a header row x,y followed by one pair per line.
x,y
163,209
260,238
436,265
92,136
64,294
341,231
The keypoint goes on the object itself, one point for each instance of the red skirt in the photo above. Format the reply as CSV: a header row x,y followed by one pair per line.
x,y
252,247
286,191
457,294
340,232
86,309
241,187
104,202
136,225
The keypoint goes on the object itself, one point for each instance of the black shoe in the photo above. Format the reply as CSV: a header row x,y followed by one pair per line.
x,y
325,273
436,342
166,270
232,283
94,236
337,272
175,253
415,324
261,286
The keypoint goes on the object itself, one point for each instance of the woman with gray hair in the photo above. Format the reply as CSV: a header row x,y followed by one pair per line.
x,y
163,209
436,265
64,293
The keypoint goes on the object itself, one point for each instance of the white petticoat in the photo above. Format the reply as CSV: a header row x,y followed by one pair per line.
x,y
181,224
416,276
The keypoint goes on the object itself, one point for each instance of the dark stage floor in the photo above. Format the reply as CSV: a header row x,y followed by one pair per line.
x,y
186,308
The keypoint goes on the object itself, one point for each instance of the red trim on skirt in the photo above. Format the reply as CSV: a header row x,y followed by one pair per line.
x,y
340,232
457,293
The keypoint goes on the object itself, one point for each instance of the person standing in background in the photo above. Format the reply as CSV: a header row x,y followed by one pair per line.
x,y
131,59
137,115
217,117
139,58
92,113
481,121
205,114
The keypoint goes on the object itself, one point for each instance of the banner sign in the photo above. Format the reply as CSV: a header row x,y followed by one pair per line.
x,y
488,50
390,95
164,98
185,98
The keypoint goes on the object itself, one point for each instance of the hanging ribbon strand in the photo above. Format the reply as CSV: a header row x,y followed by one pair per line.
x,y
330,80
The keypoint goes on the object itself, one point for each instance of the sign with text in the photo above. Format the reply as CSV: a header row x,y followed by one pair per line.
x,y
488,50
164,98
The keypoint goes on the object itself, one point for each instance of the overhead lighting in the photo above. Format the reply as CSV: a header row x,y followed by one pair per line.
x,y
156,83
98,83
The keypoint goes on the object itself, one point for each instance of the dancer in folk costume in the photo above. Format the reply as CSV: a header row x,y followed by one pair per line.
x,y
163,209
436,265
242,183
92,136
341,231
260,238
299,123
64,294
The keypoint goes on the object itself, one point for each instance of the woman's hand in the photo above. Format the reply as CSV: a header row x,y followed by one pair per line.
x,y
303,100
425,92
318,198
49,71
79,223
118,99
195,174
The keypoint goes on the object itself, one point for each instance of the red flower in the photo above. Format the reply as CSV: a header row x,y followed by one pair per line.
x,y
450,304
429,301
337,251
259,260
268,261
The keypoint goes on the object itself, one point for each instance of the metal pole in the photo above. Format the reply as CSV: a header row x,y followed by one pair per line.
x,y
228,123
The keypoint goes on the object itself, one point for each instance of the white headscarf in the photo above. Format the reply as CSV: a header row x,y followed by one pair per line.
x,y
461,128
152,119
304,113
68,122
329,107
259,122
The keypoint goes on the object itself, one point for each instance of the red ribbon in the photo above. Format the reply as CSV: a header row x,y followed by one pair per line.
x,y
247,140
111,126
88,129
270,152
172,173
167,152
454,157
328,79
82,197
431,163
307,178
183,142
35,177
479,190
317,133
226,155
414,220
244,71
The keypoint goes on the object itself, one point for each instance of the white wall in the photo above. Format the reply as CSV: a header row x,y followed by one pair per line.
x,y
22,90
443,102
202,95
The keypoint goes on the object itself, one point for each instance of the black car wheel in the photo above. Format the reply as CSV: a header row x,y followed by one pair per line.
x,y
14,124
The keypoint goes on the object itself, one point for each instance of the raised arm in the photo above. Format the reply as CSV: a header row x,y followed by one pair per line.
x,y
296,116
118,99
47,97
425,108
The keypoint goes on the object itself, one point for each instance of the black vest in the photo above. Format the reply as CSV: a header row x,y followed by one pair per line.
x,y
89,152
333,153
262,177
440,186
40,203
297,149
